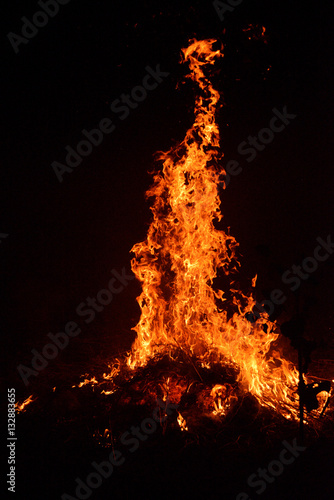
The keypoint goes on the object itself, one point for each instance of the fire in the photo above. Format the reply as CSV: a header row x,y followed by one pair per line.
x,y
182,422
21,407
186,316
181,308
87,381
222,399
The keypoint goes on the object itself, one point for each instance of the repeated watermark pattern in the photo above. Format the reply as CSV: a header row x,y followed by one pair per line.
x,y
131,441
255,144
294,276
122,108
30,28
262,477
222,7
11,438
86,309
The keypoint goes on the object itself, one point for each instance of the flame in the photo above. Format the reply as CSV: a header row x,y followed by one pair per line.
x,y
86,381
182,254
21,407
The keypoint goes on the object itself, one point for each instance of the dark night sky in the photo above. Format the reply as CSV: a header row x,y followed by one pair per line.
x,y
64,238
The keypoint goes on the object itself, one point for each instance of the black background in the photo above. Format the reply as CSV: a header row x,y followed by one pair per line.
x,y
64,238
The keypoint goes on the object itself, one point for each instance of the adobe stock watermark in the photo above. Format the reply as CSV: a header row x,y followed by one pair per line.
x,y
29,30
121,107
131,440
255,144
86,309
222,7
263,477
295,275
3,236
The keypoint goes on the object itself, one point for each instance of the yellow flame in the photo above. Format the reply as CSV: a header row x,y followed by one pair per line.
x,y
107,393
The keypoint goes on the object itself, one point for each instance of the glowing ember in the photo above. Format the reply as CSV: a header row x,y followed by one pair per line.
x,y
107,393
178,262
182,422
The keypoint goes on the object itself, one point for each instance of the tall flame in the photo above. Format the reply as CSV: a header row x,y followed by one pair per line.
x,y
179,260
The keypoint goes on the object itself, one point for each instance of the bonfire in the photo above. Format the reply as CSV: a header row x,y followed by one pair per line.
x,y
199,344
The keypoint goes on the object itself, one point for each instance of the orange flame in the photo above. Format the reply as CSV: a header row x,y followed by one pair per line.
x,y
179,260
86,381
21,407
